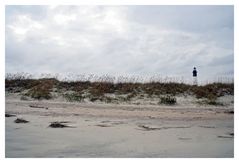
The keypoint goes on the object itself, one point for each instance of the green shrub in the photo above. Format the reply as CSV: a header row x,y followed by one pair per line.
x,y
71,97
168,100
39,94
93,99
24,98
213,102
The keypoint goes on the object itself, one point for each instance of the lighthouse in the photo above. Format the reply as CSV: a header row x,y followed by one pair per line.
x,y
195,80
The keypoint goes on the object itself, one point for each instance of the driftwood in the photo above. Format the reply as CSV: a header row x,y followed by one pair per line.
x,y
103,125
225,136
36,106
148,128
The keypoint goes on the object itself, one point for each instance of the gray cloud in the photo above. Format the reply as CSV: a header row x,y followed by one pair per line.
x,y
127,40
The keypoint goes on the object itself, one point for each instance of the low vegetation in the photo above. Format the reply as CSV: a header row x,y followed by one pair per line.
x,y
103,88
168,100
72,97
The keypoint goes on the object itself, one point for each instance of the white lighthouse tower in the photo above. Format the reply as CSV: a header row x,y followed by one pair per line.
x,y
195,80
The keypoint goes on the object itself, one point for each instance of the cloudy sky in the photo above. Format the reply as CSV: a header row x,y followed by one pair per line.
x,y
120,40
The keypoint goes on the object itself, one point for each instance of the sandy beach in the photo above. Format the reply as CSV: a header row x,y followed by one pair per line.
x,y
100,80
115,130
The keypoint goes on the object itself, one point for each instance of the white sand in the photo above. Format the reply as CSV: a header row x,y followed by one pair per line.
x,y
111,130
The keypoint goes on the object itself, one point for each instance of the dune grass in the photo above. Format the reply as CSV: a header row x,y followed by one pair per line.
x,y
96,90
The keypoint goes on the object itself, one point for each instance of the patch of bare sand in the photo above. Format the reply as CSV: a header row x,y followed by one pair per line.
x,y
109,130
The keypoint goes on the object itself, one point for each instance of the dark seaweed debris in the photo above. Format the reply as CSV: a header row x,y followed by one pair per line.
x,y
58,125
229,112
10,115
20,120
232,134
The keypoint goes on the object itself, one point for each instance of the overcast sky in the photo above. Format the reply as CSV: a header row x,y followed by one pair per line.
x,y
121,40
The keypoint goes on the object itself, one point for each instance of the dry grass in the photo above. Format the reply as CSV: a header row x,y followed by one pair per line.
x,y
214,90
43,89
96,90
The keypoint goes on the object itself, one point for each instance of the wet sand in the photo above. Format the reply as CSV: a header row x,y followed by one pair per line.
x,y
112,130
